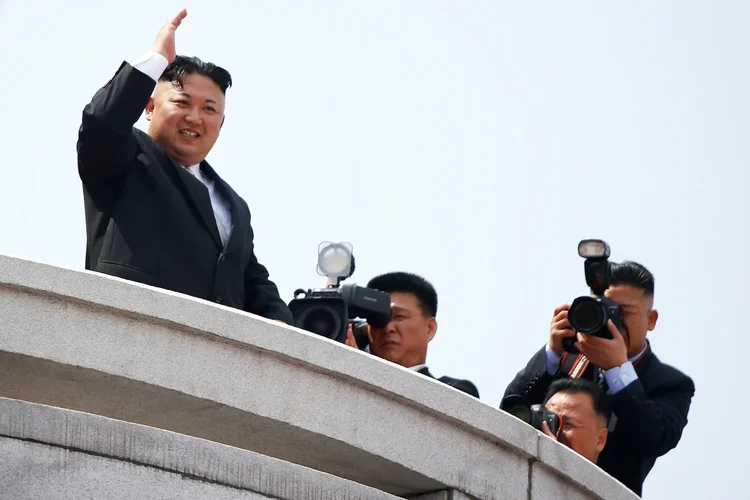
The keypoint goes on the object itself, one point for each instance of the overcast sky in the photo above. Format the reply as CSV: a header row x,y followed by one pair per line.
x,y
472,142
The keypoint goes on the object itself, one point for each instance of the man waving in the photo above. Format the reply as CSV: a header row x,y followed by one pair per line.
x,y
156,211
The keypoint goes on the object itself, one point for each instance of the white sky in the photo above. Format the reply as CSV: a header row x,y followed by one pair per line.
x,y
472,142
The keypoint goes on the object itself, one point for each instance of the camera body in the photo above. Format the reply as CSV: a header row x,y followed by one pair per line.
x,y
589,314
533,415
329,311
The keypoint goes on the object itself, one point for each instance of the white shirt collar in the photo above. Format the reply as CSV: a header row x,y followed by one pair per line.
x,y
632,360
417,367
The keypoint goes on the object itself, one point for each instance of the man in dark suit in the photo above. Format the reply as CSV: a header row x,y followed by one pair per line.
x,y
156,212
650,399
413,325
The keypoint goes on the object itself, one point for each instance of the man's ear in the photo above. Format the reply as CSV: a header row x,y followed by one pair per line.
x,y
601,439
432,328
150,108
653,315
222,121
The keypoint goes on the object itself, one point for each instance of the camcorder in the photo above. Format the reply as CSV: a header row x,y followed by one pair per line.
x,y
533,415
589,314
329,311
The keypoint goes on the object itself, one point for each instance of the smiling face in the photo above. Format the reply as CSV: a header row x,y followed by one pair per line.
x,y
186,121
404,339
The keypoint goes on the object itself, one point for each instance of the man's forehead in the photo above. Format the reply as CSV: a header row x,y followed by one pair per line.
x,y
193,87
399,309
579,402
625,295
404,301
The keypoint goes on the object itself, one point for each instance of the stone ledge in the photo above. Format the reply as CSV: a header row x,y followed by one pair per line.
x,y
190,457
99,344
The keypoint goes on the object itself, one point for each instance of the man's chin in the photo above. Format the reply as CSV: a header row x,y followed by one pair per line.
x,y
390,353
186,156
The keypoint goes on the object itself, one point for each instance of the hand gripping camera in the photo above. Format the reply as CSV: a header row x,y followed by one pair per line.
x,y
589,314
533,415
329,311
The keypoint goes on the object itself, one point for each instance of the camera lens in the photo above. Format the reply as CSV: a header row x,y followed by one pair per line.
x,y
517,406
521,412
322,321
586,315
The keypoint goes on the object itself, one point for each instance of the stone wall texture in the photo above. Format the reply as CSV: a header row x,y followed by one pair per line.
x,y
113,389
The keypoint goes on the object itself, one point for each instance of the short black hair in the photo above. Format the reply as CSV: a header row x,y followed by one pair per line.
x,y
408,283
567,385
184,65
633,274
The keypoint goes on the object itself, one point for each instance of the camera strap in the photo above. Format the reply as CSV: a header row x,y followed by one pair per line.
x,y
577,366
574,366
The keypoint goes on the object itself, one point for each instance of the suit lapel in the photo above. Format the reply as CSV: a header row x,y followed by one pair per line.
x,y
229,195
194,190
198,195
642,364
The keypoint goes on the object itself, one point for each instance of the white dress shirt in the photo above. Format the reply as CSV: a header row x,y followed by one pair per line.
x,y
617,378
153,65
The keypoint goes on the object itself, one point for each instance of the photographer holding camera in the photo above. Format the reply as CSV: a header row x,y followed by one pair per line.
x,y
412,326
393,317
650,399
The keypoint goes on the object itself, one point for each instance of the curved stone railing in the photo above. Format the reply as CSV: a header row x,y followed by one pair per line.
x,y
244,405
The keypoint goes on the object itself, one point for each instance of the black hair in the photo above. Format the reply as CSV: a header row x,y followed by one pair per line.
x,y
408,283
602,401
184,65
632,273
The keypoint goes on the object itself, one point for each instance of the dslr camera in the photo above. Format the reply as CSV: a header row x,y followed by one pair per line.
x,y
533,415
329,311
589,314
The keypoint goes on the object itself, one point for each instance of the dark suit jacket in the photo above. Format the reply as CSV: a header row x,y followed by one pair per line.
x,y
462,385
651,414
149,220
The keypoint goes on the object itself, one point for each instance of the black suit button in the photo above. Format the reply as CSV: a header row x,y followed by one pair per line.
x,y
218,299
222,258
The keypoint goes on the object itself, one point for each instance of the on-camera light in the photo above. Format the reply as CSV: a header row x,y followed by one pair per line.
x,y
335,260
593,249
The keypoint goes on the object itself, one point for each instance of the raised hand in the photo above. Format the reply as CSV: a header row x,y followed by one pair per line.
x,y
164,43
604,353
560,329
350,337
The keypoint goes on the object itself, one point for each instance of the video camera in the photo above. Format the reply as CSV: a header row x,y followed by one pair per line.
x,y
533,415
589,314
329,311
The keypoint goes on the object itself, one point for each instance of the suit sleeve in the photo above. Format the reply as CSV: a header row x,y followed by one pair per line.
x,y
106,144
654,424
261,294
533,381
468,387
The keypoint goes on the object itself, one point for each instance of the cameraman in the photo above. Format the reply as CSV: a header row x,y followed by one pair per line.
x,y
650,399
413,325
584,411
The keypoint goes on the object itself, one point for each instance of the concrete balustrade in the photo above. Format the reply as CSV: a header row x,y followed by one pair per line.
x,y
113,388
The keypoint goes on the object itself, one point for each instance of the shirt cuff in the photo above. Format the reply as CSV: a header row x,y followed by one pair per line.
x,y
619,377
553,361
151,64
